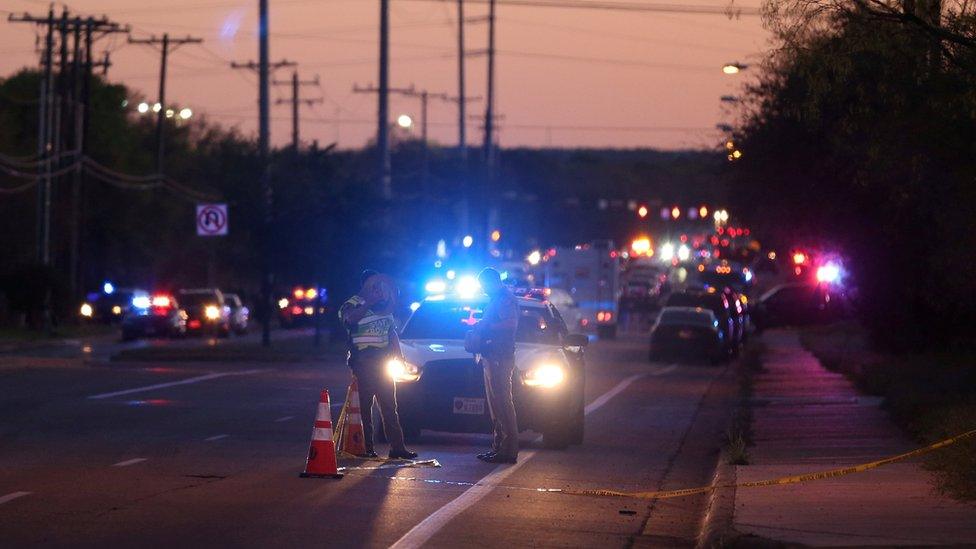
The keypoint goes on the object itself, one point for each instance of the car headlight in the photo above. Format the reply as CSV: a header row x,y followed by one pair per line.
x,y
116,310
402,371
282,303
86,310
211,312
545,375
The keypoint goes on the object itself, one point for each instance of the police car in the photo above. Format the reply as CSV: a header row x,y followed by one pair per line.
x,y
440,386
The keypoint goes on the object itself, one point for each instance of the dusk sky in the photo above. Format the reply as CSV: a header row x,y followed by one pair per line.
x,y
566,77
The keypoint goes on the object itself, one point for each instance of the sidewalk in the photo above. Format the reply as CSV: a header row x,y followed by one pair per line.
x,y
808,419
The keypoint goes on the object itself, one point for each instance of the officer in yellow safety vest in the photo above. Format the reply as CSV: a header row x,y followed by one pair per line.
x,y
368,319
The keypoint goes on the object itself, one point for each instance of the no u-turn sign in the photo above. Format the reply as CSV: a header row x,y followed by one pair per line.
x,y
211,219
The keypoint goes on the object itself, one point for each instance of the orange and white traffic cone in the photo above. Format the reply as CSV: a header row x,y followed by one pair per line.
x,y
321,461
353,437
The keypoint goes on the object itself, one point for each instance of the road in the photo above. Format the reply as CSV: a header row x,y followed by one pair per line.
x,y
98,453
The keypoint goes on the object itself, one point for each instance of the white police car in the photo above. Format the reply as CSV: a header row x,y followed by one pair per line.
x,y
440,386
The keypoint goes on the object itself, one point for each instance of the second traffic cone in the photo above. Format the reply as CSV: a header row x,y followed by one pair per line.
x,y
353,437
321,461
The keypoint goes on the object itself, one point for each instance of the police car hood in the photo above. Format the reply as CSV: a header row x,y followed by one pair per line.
x,y
422,351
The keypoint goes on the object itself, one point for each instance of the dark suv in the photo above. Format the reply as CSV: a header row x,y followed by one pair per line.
x,y
207,311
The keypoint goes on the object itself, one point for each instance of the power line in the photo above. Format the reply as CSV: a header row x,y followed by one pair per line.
x,y
730,11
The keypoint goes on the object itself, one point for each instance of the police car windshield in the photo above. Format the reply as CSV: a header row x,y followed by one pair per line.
x,y
435,320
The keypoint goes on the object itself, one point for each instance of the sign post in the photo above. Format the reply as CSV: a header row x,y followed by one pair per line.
x,y
212,221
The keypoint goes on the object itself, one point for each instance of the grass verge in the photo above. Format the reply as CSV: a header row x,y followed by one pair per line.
x,y
931,395
738,436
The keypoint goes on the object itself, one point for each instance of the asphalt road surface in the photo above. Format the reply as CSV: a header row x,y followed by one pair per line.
x,y
98,453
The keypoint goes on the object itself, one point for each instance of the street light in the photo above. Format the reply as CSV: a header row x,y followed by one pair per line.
x,y
404,121
734,68
186,113
156,107
143,107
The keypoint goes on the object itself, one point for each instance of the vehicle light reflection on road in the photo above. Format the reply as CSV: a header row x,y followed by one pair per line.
x,y
151,402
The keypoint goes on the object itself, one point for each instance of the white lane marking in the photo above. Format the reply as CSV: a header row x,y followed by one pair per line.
x,y
283,419
12,496
187,381
426,529
215,437
128,462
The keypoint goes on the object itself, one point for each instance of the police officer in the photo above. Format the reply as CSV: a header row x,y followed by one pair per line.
x,y
368,318
496,330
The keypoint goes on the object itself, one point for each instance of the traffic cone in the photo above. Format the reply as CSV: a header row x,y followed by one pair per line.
x,y
353,437
321,461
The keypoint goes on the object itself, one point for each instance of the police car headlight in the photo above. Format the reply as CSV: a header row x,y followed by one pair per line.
x,y
211,312
545,375
86,310
402,371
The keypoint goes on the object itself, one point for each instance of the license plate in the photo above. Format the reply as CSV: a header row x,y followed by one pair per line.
x,y
685,334
472,406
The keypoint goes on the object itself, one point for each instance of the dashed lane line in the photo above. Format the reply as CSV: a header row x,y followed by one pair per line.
x,y
187,381
284,419
215,437
128,462
12,496
426,529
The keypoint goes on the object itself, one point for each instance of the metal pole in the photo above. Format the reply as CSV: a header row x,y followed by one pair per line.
x,y
161,115
462,145
425,160
294,110
264,108
490,108
42,134
383,109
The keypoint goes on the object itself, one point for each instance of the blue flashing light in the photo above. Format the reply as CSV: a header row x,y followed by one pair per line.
x,y
435,286
108,288
468,286
141,302
436,298
504,275
467,241
414,306
451,274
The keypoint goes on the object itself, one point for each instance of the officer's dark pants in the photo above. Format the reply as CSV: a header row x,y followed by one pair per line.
x,y
498,389
369,368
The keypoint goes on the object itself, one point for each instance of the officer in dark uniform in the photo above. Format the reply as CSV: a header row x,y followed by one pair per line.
x,y
496,330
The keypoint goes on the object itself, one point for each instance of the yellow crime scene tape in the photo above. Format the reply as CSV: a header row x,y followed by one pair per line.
x,y
666,494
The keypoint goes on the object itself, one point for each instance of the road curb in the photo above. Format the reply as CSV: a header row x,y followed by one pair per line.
x,y
717,523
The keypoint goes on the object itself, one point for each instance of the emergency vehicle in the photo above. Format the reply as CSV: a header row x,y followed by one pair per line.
x,y
591,275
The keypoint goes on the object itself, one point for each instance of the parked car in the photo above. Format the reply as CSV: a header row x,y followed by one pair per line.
x,y
796,304
712,300
156,315
682,332
441,387
207,311
109,307
239,314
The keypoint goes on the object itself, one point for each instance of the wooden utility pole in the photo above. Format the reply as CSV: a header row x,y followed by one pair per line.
x,y
383,105
295,101
264,68
165,44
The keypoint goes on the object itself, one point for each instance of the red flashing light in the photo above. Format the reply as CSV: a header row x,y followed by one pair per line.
x,y
720,230
799,258
613,254
684,238
161,301
296,310
713,240
747,231
551,252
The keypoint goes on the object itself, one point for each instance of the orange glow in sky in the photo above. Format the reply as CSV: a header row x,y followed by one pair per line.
x,y
566,77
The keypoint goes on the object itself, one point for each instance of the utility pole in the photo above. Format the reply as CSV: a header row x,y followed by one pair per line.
x,y
489,141
165,44
383,106
295,101
462,144
263,68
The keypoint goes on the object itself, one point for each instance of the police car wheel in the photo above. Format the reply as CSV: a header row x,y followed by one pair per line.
x,y
558,436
